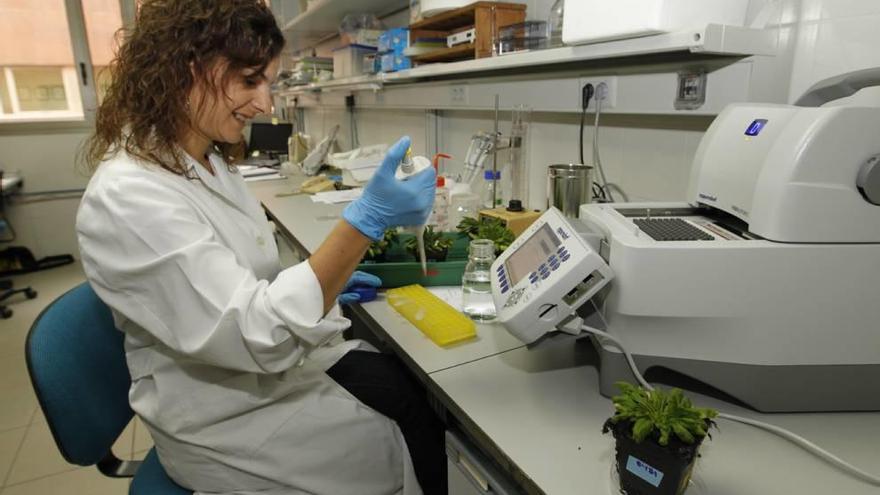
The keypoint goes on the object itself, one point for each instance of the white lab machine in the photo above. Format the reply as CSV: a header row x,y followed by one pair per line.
x,y
544,277
766,285
592,21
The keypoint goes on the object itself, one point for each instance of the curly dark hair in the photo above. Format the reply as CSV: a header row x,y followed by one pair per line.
x,y
172,45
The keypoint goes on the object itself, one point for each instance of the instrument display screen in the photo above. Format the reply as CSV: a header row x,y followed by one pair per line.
x,y
532,254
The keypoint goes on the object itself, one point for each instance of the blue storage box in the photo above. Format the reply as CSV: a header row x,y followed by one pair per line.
x,y
393,62
394,40
401,62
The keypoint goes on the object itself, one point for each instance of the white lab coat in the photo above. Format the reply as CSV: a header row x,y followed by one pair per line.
x,y
226,351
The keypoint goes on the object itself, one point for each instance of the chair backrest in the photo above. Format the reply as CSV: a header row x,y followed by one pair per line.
x,y
76,361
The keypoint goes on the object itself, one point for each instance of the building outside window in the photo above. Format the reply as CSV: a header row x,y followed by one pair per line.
x,y
40,77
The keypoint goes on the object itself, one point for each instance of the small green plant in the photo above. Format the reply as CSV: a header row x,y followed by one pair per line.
x,y
377,249
436,245
487,228
468,226
659,414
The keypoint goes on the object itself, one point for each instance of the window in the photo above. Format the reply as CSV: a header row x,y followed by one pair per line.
x,y
54,56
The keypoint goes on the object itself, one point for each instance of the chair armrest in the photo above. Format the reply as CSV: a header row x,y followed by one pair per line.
x,y
114,467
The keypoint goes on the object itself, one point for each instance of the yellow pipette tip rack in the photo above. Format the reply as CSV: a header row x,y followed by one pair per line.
x,y
439,321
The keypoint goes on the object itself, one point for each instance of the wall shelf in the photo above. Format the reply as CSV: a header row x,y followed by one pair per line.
x,y
321,21
714,39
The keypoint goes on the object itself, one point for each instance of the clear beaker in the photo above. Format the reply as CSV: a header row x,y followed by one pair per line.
x,y
476,287
462,204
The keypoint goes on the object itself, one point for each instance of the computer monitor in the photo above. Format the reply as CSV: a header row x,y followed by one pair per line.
x,y
269,139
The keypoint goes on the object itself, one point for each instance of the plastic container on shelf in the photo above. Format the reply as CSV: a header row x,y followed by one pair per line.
x,y
348,61
529,35
365,37
555,23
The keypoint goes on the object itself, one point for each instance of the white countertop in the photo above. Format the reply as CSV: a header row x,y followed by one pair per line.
x,y
542,411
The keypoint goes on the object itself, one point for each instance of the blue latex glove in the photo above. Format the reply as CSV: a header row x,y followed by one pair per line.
x,y
388,202
357,279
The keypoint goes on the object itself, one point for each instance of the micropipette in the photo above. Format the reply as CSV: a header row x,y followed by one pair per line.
x,y
410,166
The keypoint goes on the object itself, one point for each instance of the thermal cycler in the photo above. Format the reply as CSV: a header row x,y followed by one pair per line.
x,y
765,286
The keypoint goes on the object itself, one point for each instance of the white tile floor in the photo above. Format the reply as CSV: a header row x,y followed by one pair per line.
x,y
29,460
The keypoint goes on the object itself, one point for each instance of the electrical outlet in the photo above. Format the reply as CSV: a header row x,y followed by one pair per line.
x,y
610,100
458,94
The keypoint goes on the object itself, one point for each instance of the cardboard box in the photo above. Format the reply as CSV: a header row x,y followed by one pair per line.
x,y
516,221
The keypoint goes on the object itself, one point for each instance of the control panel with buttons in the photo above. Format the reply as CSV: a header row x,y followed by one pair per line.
x,y
544,276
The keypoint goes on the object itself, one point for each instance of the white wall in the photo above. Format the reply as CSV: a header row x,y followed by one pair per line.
x,y
834,37
45,157
649,156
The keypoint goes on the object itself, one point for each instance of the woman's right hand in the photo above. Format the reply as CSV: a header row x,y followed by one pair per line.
x,y
389,202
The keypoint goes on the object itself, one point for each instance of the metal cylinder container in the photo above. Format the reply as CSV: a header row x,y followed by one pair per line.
x,y
569,186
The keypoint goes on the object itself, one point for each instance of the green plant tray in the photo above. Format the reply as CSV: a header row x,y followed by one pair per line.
x,y
400,267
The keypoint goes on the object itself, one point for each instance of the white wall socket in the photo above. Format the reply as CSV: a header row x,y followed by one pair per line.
x,y
610,101
458,94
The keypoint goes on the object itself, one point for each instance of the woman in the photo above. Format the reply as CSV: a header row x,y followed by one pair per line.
x,y
232,366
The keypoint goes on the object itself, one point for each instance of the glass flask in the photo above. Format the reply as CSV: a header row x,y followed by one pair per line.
x,y
476,288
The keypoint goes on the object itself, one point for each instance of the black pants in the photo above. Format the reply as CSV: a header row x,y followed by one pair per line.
x,y
381,382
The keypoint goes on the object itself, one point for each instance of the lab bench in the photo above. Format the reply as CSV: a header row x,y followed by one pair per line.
x,y
537,413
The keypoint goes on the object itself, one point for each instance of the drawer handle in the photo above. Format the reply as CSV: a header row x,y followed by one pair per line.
x,y
473,473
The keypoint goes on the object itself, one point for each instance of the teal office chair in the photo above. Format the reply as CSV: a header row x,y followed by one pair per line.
x,y
77,366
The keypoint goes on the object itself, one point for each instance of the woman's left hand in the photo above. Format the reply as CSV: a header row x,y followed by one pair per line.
x,y
357,279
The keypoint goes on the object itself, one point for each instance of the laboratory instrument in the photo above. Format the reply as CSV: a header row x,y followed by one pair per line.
x,y
569,186
481,146
476,289
591,21
409,167
544,277
767,276
516,168
489,198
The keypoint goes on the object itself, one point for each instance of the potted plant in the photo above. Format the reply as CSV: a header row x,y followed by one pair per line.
x,y
436,245
487,228
378,249
658,434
